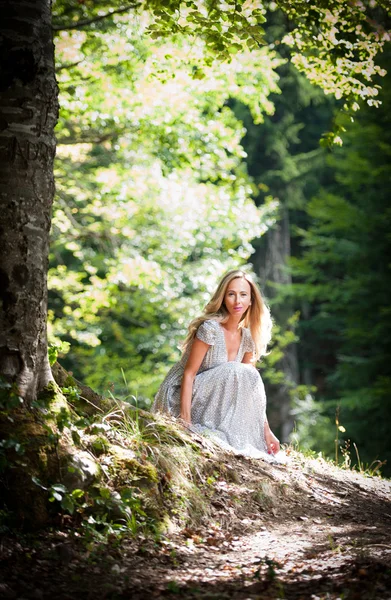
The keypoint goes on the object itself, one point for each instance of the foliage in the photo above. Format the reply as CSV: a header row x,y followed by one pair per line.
x,y
314,430
335,43
153,202
348,38
345,278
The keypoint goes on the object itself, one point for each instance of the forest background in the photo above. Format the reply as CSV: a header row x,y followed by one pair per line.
x,y
168,174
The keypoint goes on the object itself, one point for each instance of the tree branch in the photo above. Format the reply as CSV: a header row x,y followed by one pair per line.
x,y
68,65
86,22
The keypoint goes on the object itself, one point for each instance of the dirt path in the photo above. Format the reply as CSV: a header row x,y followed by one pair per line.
x,y
302,531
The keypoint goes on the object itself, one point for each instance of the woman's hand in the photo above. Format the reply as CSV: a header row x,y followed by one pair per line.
x,y
185,420
272,443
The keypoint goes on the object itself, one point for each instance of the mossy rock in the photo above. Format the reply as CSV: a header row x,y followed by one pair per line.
x,y
124,467
128,474
80,470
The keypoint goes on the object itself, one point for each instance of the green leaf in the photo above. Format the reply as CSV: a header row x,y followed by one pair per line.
x,y
68,504
105,493
77,493
37,482
59,487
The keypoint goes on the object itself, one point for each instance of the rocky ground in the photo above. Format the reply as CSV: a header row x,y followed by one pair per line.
x,y
304,530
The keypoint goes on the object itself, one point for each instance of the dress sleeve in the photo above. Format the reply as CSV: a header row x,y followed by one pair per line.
x,y
249,345
207,332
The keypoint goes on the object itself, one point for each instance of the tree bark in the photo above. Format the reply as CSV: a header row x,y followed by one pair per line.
x,y
28,115
271,263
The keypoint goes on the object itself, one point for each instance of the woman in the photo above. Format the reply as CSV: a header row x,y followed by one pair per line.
x,y
215,388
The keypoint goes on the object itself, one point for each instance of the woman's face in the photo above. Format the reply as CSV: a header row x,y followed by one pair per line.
x,y
237,297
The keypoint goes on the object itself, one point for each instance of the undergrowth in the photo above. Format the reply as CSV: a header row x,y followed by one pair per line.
x,y
133,473
150,473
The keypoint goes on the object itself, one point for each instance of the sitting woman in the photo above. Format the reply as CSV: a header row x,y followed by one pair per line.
x,y
215,388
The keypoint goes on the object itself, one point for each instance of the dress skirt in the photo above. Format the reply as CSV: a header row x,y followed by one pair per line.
x,y
228,398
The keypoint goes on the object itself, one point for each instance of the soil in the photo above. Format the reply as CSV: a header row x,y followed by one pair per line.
x,y
302,531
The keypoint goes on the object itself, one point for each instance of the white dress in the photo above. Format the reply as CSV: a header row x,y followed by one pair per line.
x,y
228,399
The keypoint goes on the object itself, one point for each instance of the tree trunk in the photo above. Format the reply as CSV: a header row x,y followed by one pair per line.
x,y
28,115
271,263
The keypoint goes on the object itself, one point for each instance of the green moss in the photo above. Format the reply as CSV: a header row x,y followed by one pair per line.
x,y
70,382
53,399
106,404
43,458
166,525
126,467
99,444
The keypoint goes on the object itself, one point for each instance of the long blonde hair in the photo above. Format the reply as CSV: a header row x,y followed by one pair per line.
x,y
257,317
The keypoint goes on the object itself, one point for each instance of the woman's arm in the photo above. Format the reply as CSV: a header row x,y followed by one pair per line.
x,y
196,356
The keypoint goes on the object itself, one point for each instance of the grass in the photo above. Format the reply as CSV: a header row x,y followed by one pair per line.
x,y
372,469
168,470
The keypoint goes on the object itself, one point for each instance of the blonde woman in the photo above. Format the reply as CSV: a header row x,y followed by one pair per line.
x,y
215,388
